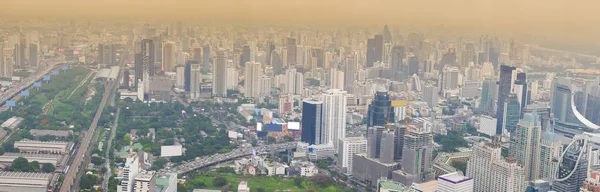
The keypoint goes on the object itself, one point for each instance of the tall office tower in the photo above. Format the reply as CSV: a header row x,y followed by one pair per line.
x,y
253,80
374,50
534,88
399,132
138,68
387,146
488,96
245,56
187,74
449,58
195,79
504,89
450,77
387,35
374,134
520,88
430,95
301,55
417,155
276,62
17,55
350,146
494,56
573,167
453,182
414,42
147,60
180,71
561,101
158,53
550,151
126,75
291,51
525,145
468,55
232,78
219,75
168,57
380,110
319,55
101,53
266,85
290,80
312,121
33,55
512,54
299,83
512,114
6,70
350,66
397,65
113,54
413,66
492,173
198,53
335,79
334,116
593,103
269,51
206,56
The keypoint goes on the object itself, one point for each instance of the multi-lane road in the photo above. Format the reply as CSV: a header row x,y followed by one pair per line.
x,y
82,157
217,158
27,82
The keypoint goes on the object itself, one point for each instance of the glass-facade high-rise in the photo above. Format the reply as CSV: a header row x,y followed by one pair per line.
x,y
512,113
380,110
504,86
312,121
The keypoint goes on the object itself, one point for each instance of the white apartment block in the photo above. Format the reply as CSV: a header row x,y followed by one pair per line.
x,y
348,147
334,116
452,182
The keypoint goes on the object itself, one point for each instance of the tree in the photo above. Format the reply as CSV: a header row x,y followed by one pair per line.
x,y
34,166
271,140
298,182
159,163
20,164
48,168
97,160
462,166
87,182
322,180
219,181
225,170
260,189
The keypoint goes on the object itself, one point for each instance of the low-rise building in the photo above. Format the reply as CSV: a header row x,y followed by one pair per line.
x,y
54,159
166,182
322,151
442,164
12,122
145,182
243,186
31,146
55,133
454,182
23,181
369,171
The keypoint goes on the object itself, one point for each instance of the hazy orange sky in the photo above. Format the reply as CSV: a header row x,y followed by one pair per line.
x,y
576,19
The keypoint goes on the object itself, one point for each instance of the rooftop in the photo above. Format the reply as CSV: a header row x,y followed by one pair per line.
x,y
24,175
454,178
390,185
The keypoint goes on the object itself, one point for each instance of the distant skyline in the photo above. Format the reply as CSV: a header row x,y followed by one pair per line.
x,y
561,19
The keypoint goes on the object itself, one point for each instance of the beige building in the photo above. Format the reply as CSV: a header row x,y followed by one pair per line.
x,y
22,181
54,159
31,146
145,182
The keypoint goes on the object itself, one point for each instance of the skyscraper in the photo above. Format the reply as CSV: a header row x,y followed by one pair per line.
x,y
180,80
512,113
351,66
504,89
350,146
573,166
195,79
101,52
397,64
334,116
168,61
198,54
187,74
412,67
488,96
312,121
550,151
374,50
417,157
430,95
380,111
253,80
520,88
387,35
525,145
219,75
245,55
291,51
374,135
206,56
33,55
335,79
492,173
561,101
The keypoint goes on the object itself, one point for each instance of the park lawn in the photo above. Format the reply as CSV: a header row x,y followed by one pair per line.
x,y
254,182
